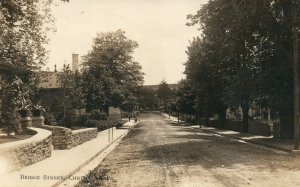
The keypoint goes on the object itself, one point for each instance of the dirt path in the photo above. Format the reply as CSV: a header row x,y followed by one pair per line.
x,y
160,153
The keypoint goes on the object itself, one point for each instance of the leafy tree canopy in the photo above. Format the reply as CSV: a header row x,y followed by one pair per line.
x,y
111,74
245,53
23,32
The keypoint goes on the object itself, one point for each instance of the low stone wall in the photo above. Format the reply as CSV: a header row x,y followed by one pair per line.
x,y
83,135
18,154
213,123
61,136
259,128
234,125
64,138
255,127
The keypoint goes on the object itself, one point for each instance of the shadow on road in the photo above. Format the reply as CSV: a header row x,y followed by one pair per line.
x,y
184,146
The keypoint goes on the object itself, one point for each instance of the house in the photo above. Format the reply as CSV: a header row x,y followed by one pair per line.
x,y
50,94
50,91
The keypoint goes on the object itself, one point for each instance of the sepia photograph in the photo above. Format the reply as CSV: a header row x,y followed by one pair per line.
x,y
149,93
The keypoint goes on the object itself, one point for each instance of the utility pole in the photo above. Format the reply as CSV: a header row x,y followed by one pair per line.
x,y
296,84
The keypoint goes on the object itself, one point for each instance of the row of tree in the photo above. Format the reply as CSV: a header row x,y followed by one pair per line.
x,y
243,57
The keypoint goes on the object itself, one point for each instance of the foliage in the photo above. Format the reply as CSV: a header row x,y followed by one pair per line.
x,y
110,71
81,121
164,94
100,124
72,91
23,35
185,102
96,177
10,91
23,28
146,99
98,116
163,91
244,56
49,119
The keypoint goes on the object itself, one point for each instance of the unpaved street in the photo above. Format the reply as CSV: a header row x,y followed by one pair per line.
x,y
159,152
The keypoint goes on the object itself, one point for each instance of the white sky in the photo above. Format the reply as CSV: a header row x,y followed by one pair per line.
x,y
157,25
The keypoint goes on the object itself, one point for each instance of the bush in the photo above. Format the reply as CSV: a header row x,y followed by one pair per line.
x,y
96,177
49,119
67,122
81,121
100,124
120,123
98,116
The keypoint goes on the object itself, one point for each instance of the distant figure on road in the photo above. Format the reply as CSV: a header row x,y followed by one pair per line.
x,y
129,118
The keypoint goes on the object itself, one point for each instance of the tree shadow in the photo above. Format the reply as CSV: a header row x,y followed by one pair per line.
x,y
186,146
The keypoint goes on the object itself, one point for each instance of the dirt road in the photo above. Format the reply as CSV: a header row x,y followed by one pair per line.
x,y
159,152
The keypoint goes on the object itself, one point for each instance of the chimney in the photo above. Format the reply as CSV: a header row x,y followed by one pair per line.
x,y
74,62
55,68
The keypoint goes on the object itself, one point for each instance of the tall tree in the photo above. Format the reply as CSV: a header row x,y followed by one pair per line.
x,y
185,102
23,35
23,32
164,94
146,99
254,67
206,78
71,85
111,74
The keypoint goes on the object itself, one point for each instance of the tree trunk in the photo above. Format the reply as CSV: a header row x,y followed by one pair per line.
x,y
245,110
286,123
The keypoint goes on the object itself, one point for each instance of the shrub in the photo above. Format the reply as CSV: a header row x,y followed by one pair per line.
x,y
100,124
120,123
49,119
98,116
96,177
81,120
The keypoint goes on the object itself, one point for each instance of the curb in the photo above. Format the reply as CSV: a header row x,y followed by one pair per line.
x,y
92,158
250,141
293,152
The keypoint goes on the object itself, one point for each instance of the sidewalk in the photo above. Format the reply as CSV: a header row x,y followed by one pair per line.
x,y
63,163
267,141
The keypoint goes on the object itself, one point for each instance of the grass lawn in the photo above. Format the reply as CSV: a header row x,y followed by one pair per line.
x,y
6,139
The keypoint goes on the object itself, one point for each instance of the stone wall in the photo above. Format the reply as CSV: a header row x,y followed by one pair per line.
x,y
61,136
234,125
18,154
214,123
259,128
83,135
255,127
64,138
